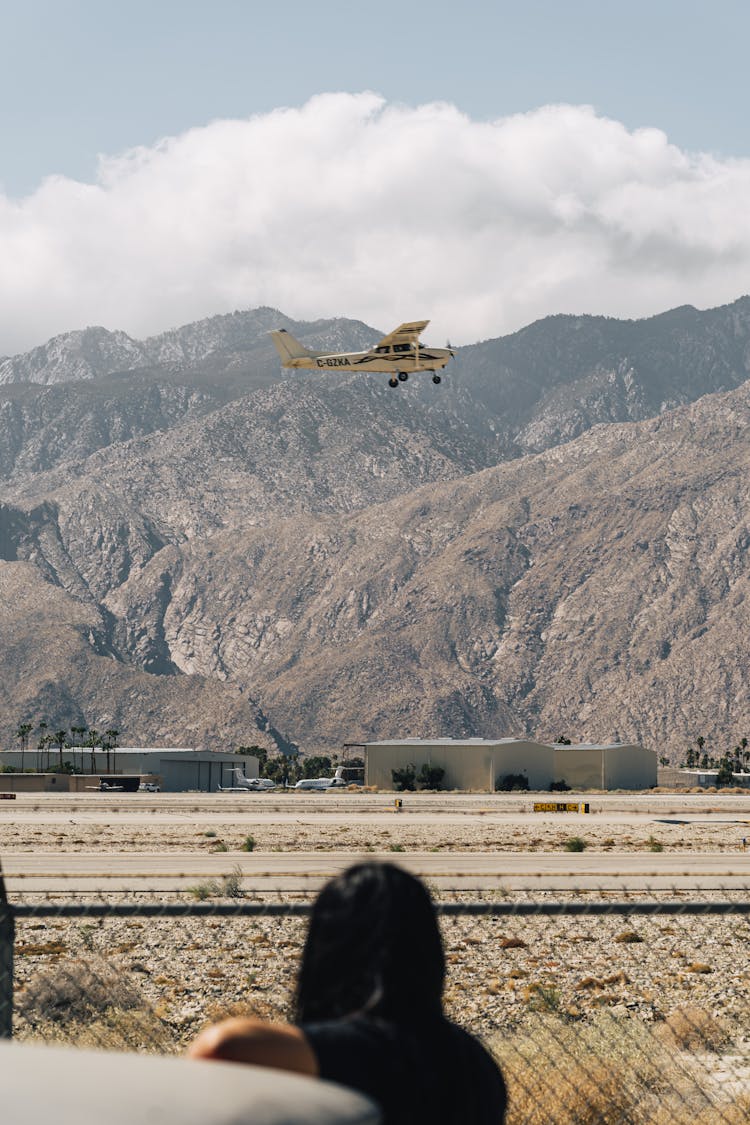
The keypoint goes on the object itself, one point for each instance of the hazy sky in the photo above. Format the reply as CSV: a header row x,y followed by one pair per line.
x,y
484,212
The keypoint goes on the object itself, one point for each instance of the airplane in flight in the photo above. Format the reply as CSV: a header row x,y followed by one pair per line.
x,y
244,784
399,354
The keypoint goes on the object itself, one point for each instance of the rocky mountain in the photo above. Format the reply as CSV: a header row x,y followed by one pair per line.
x,y
331,559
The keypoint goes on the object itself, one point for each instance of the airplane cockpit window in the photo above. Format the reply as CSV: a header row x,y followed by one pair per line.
x,y
382,351
402,347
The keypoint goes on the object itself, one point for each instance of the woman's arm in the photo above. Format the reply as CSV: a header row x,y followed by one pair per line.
x,y
255,1041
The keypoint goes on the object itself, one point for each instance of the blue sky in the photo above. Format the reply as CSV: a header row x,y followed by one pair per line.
x,y
82,77
583,158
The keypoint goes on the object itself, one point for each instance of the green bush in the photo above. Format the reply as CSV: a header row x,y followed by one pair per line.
x,y
404,779
575,844
430,777
512,783
248,844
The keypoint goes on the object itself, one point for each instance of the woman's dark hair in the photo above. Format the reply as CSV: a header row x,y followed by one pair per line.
x,y
373,945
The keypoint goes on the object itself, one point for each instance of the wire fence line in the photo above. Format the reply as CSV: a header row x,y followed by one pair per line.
x,y
631,1010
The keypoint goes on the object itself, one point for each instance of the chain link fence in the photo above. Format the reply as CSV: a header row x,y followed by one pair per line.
x,y
599,1009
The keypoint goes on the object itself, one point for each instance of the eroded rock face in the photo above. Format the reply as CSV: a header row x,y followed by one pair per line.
x,y
333,560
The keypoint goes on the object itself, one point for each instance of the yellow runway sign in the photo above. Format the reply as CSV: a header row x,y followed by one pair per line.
x,y
561,806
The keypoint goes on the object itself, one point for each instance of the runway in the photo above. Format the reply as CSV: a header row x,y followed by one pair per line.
x,y
53,872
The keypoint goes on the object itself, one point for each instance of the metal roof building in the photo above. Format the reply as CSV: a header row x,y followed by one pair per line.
x,y
481,763
179,768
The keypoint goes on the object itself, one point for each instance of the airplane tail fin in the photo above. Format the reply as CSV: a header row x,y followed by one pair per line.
x,y
287,347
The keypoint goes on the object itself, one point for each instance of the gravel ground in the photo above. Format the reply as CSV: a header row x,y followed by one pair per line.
x,y
500,970
470,834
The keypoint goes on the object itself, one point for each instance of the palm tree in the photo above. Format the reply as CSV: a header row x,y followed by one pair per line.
x,y
79,731
92,742
42,743
112,736
58,740
22,734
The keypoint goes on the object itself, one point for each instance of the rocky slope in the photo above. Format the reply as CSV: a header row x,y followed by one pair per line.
x,y
361,562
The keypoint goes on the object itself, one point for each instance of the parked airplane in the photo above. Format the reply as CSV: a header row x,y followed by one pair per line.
x,y
244,784
399,353
338,781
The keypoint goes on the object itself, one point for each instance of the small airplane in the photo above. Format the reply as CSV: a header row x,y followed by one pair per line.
x,y
338,781
244,784
399,353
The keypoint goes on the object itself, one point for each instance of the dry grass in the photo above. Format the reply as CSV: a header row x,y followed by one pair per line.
x,y
90,1006
693,1029
612,1070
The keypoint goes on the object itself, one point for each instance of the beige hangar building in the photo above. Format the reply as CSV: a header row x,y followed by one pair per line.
x,y
479,763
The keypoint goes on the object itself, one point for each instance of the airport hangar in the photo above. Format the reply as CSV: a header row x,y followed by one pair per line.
x,y
480,764
177,770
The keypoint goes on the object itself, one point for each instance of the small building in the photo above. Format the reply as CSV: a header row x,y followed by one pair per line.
x,y
482,764
180,768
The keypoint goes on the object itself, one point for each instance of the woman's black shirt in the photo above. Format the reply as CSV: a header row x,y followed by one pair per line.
x,y
430,1071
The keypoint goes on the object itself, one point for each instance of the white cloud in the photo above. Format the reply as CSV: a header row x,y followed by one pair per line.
x,y
350,206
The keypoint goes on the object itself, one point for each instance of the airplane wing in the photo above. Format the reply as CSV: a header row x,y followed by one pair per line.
x,y
404,334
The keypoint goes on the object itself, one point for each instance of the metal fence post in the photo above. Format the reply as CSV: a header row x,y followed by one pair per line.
x,y
7,935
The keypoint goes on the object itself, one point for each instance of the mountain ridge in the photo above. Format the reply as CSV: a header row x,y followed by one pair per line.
x,y
351,561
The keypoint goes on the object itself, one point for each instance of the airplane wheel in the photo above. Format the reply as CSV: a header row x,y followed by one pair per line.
x,y
436,378
392,382
403,376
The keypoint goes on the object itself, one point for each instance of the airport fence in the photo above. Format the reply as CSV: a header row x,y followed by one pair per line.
x,y
599,1009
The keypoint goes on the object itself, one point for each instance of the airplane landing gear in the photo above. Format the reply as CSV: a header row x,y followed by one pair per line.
x,y
436,378
393,381
403,376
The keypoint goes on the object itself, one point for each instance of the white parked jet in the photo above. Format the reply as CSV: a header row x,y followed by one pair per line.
x,y
338,781
398,354
244,784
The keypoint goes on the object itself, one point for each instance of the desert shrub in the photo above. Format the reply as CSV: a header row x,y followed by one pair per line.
x,y
202,891
654,845
512,783
231,884
90,1005
575,844
75,991
693,1029
559,787
248,844
219,846
404,779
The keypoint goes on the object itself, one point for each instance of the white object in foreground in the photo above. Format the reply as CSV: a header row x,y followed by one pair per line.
x,y
41,1084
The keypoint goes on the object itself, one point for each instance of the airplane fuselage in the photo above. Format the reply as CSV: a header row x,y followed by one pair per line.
x,y
387,360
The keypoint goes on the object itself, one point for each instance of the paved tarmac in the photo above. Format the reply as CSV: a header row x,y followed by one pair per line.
x,y
50,872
